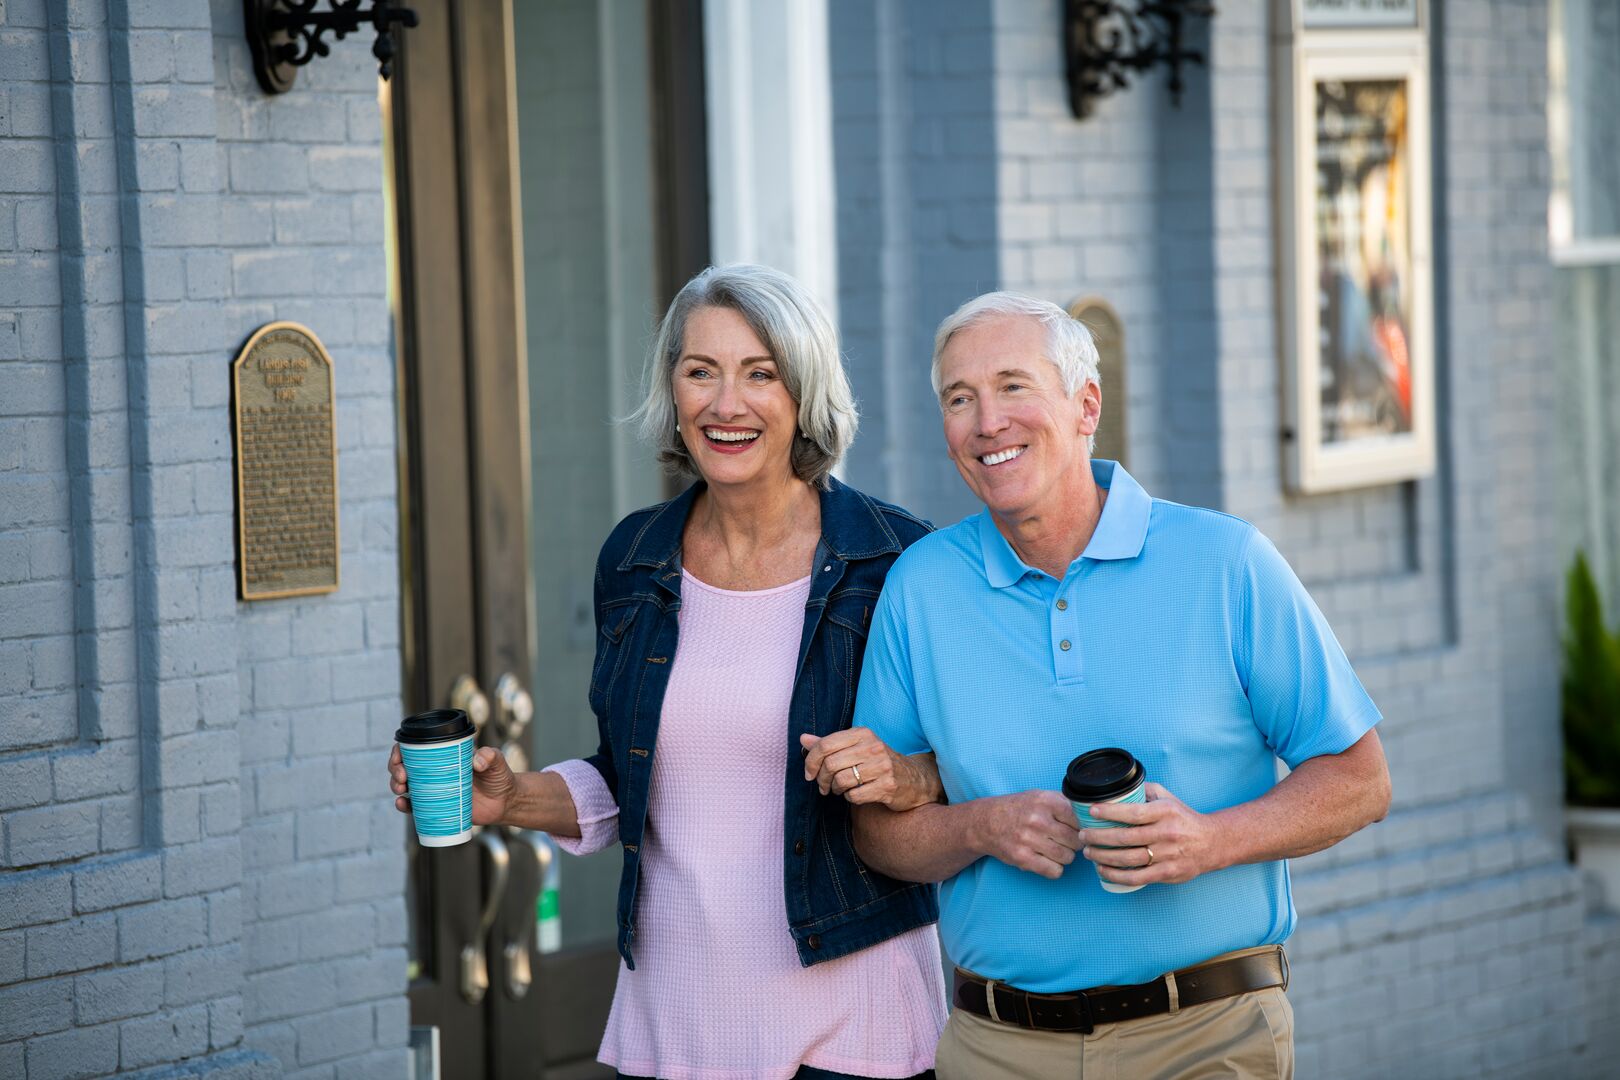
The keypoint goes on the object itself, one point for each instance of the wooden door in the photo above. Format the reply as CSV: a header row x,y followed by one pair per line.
x,y
519,316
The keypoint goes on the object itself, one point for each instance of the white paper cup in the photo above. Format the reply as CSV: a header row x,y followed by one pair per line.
x,y
437,749
1104,772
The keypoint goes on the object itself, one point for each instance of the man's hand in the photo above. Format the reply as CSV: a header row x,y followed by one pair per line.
x,y
493,783
1183,842
897,781
1033,830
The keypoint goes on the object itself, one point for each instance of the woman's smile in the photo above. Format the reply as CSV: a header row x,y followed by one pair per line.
x,y
730,440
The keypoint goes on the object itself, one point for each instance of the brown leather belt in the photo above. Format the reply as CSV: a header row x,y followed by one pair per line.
x,y
1081,1010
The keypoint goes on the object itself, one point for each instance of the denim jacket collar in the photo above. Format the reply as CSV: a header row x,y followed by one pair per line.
x,y
851,528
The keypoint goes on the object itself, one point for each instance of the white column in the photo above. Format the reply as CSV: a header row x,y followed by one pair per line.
x,y
770,139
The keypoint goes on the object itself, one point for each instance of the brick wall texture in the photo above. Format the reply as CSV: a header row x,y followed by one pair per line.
x,y
197,875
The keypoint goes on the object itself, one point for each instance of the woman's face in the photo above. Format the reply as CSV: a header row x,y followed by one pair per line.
x,y
737,419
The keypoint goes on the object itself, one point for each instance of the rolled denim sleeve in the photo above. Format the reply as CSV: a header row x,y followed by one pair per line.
x,y
593,802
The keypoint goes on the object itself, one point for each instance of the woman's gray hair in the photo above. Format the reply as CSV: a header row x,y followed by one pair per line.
x,y
802,341
1069,345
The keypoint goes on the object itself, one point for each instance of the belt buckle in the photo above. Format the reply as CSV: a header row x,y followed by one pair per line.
x,y
1087,1024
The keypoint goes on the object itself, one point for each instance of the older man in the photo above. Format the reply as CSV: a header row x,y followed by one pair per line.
x,y
1078,612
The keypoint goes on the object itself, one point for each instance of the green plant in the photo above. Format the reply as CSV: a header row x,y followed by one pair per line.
x,y
1591,698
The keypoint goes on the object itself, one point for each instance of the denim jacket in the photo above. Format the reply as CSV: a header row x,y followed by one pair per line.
x,y
836,904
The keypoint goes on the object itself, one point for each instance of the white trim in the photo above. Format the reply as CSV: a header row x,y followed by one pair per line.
x,y
1596,252
770,139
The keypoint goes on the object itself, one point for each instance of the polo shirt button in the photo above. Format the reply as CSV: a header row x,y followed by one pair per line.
x,y
1062,605
1064,644
798,847
814,941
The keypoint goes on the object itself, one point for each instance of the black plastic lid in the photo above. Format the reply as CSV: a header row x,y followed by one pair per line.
x,y
1101,774
435,725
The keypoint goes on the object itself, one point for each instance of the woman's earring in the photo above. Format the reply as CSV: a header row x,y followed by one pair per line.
x,y
677,425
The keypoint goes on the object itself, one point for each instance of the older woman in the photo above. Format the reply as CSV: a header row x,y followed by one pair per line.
x,y
731,626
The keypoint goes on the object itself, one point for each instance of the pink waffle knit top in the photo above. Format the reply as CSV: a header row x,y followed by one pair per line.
x,y
718,992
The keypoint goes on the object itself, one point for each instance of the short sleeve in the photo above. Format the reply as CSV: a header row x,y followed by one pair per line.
x,y
593,803
1305,696
886,701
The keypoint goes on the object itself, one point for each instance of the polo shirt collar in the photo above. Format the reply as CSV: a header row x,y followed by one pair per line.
x,y
1122,529
1120,533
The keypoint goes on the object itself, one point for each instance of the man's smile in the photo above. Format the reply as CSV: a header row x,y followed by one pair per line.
x,y
999,456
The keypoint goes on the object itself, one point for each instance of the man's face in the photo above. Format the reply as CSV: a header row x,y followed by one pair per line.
x,y
1011,430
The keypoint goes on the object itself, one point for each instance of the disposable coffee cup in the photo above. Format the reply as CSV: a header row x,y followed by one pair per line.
x,y
437,748
1109,775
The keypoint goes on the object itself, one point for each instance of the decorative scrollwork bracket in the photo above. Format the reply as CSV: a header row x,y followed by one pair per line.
x,y
287,34
1105,40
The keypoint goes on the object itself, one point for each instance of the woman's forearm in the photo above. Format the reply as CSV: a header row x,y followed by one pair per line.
x,y
541,801
917,782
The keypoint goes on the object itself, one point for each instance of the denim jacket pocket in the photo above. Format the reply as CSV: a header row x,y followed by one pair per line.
x,y
610,652
847,619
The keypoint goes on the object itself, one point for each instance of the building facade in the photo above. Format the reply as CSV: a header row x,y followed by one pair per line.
x,y
201,872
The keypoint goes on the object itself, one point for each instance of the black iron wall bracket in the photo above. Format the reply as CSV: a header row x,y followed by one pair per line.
x,y
1105,40
287,34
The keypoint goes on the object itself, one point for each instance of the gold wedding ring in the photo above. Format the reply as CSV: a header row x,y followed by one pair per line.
x,y
856,769
1150,856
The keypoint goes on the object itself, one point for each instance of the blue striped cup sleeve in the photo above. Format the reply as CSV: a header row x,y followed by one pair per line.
x,y
1139,795
440,778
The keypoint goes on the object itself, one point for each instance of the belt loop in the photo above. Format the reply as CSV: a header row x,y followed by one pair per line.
x,y
990,999
1282,958
1175,994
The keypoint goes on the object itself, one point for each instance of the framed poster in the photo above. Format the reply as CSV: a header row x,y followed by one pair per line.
x,y
1357,287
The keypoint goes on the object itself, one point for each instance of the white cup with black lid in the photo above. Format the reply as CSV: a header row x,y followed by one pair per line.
x,y
437,749
1107,775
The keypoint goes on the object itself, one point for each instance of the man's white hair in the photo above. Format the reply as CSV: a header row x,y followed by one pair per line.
x,y
1069,345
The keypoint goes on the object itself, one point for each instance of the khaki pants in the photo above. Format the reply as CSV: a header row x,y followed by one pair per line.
x,y
1250,1035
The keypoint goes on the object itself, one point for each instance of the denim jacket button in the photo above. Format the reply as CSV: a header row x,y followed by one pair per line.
x,y
798,847
814,941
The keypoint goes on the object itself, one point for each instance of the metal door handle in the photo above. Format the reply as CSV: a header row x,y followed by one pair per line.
x,y
474,964
519,975
466,695
514,708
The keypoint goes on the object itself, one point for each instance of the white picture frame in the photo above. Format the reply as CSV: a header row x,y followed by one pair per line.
x,y
1356,263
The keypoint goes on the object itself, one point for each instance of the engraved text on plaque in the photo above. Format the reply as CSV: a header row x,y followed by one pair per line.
x,y
286,465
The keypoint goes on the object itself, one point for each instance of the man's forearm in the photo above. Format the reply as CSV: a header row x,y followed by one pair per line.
x,y
928,843
1315,806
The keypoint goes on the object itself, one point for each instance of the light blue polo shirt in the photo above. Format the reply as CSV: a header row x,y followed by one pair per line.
x,y
1179,634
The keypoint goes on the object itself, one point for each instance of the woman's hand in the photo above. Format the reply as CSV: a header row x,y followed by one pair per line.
x,y
858,765
493,784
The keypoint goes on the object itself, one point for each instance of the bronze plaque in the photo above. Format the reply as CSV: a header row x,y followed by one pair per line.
x,y
286,464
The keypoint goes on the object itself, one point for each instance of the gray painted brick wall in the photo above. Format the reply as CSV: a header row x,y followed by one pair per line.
x,y
915,171
323,857
155,208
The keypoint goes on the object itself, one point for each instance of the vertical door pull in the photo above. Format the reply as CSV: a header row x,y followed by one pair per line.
x,y
519,975
474,964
